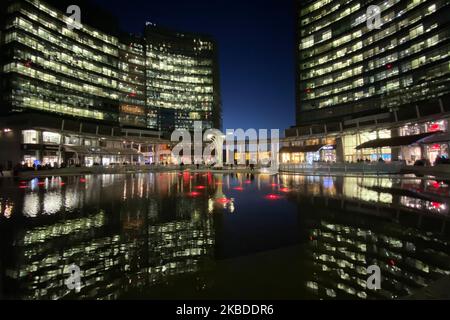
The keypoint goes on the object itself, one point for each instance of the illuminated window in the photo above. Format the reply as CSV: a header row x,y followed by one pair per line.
x,y
30,136
51,137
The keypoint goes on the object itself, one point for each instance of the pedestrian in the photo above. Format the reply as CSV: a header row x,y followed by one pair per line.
x,y
1,169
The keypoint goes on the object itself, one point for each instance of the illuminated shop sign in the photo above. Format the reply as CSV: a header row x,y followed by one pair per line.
x,y
329,147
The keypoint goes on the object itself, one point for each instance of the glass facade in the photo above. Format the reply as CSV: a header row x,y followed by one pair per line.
x,y
87,73
54,69
182,79
341,62
356,83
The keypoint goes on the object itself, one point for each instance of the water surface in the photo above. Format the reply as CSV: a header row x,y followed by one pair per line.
x,y
188,236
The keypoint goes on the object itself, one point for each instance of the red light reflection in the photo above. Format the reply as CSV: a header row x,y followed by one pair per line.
x,y
273,197
223,200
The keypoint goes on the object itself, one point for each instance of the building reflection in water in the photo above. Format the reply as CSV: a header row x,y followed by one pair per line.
x,y
124,232
354,222
128,232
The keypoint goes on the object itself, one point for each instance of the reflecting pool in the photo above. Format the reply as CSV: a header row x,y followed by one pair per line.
x,y
196,236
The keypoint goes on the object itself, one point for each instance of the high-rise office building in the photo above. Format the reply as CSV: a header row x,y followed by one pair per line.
x,y
359,82
182,79
65,87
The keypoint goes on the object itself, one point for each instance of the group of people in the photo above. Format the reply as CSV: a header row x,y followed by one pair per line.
x,y
19,167
367,160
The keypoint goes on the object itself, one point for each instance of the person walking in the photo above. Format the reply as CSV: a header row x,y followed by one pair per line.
x,y
1,170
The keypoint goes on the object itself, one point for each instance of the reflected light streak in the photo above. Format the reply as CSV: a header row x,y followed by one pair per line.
x,y
223,200
273,197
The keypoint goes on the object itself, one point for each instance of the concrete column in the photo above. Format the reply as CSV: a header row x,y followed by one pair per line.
x,y
441,105
340,156
61,142
396,151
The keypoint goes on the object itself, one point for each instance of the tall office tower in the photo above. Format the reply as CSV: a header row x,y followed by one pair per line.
x,y
182,79
359,81
51,68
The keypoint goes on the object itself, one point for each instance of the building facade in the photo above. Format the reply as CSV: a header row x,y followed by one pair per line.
x,y
360,87
112,88
182,79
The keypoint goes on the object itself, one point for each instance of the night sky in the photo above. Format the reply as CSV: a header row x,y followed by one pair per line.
x,y
256,43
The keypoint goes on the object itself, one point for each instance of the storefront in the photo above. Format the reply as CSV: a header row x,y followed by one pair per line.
x,y
359,147
312,157
308,154
30,159
436,150
400,148
410,154
294,157
91,156
328,153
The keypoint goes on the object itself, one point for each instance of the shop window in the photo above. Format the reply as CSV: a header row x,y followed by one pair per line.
x,y
30,136
436,126
75,141
51,137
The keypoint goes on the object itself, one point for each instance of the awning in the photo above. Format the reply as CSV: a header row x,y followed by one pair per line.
x,y
299,149
395,141
437,138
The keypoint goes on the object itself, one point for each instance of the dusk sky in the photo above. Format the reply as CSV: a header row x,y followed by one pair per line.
x,y
256,42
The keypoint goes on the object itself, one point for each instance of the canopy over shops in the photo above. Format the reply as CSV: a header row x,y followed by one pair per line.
x,y
442,137
395,141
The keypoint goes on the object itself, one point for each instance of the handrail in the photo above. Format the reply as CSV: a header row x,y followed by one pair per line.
x,y
395,167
